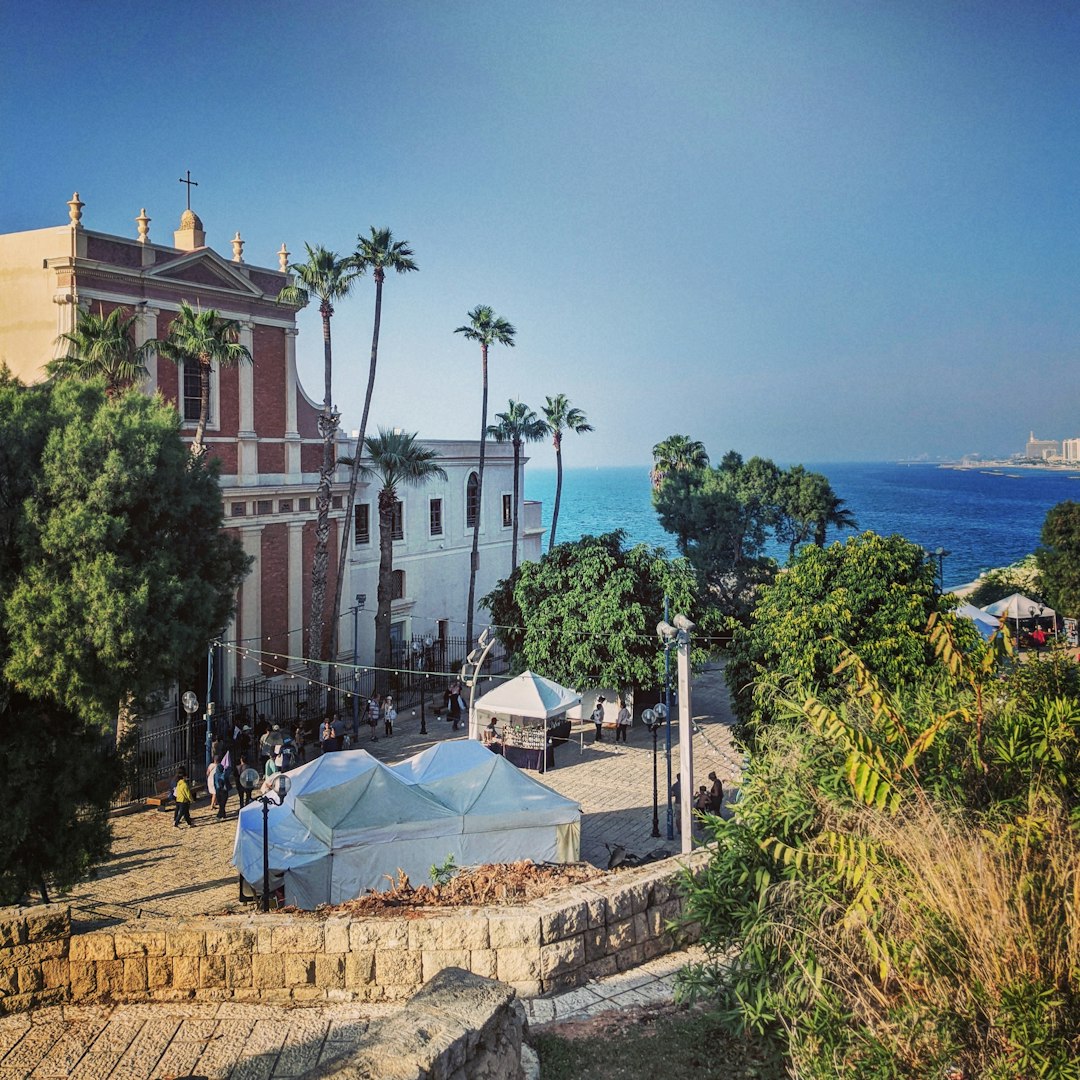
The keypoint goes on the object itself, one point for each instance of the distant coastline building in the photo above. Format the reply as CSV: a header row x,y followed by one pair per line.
x,y
264,430
1042,449
1070,450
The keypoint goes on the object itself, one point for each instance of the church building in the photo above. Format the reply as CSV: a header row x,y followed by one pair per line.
x,y
263,428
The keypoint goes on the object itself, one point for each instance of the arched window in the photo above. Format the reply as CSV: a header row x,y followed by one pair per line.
x,y
472,501
398,591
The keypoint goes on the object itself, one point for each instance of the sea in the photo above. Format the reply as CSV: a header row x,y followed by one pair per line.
x,y
981,518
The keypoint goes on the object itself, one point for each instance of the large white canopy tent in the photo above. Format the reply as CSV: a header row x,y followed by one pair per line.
x,y
526,695
1018,606
349,823
984,622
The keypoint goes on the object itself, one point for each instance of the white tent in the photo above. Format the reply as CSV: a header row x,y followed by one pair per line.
x,y
349,823
1019,606
985,623
527,695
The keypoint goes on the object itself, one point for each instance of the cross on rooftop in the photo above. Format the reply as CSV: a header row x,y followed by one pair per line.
x,y
190,184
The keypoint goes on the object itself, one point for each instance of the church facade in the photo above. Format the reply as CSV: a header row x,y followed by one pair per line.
x,y
263,429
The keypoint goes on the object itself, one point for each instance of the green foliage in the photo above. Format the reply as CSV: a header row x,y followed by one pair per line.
x,y
1059,558
870,593
1021,577
441,873
114,572
586,613
896,893
102,346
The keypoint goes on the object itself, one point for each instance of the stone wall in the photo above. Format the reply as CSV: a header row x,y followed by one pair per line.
x,y
582,932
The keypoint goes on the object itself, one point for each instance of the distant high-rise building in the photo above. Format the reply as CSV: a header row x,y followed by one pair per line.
x,y
1042,449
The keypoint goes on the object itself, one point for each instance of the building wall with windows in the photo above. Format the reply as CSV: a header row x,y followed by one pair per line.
x,y
263,428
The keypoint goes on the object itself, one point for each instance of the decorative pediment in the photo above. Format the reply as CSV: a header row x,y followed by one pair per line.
x,y
203,267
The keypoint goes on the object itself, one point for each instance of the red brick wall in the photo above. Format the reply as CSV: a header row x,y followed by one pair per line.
x,y
268,348
115,252
310,457
275,596
271,457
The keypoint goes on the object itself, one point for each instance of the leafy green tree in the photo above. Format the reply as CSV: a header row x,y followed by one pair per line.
x,y
586,613
676,452
486,328
114,573
1059,558
202,338
330,278
806,506
1022,576
518,425
377,252
102,346
397,459
560,417
870,593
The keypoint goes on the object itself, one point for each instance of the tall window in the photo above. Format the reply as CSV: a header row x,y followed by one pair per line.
x,y
397,522
472,501
435,517
508,511
398,588
193,393
362,524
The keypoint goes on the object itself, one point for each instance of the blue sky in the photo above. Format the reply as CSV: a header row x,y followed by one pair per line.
x,y
814,231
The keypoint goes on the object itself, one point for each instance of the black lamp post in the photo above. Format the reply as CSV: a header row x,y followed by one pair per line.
x,y
941,553
654,720
279,786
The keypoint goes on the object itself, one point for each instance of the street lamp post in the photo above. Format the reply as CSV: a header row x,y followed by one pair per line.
x,y
940,553
360,601
679,635
279,786
667,729
653,719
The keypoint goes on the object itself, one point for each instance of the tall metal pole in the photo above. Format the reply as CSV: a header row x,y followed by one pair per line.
x,y
667,730
355,658
209,688
265,800
655,801
686,732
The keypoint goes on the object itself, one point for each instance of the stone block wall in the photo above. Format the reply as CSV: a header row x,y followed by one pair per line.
x,y
581,933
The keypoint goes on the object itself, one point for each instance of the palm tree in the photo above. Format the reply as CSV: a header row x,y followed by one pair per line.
x,y
488,329
676,452
203,338
561,417
835,514
397,459
378,252
330,278
518,425
102,346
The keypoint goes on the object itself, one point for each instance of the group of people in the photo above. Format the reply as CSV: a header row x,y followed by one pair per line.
x,y
622,719
707,800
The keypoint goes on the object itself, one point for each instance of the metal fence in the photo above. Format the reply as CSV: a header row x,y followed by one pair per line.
x,y
172,739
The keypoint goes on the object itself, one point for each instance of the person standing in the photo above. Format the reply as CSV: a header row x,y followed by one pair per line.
x,y
389,715
622,721
716,794
184,798
373,716
210,783
326,737
597,717
221,787
244,792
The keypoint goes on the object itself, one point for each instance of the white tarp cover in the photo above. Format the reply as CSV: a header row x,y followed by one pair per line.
x,y
528,695
1019,606
349,823
984,622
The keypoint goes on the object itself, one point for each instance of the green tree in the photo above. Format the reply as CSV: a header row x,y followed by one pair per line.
x,y
114,573
560,417
203,338
870,593
378,253
486,328
586,613
1059,558
518,425
397,459
806,506
330,278
102,346
676,452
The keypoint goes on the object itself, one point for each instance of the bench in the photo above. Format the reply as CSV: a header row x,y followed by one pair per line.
x,y
163,793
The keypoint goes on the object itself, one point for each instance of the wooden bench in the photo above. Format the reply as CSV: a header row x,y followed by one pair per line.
x,y
163,793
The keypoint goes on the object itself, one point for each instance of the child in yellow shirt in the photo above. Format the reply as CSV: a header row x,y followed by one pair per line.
x,y
184,798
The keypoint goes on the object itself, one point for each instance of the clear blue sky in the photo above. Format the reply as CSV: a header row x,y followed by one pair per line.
x,y
814,231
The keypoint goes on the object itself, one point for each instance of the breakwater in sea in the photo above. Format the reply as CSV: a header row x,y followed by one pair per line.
x,y
982,518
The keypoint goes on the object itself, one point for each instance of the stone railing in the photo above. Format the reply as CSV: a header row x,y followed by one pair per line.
x,y
583,932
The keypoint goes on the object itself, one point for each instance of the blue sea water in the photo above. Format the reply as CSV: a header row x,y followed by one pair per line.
x,y
983,519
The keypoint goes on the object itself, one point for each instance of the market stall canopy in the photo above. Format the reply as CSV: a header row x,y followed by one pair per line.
x,y
1019,606
528,695
985,623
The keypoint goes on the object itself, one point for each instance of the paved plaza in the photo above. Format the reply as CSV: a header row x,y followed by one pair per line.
x,y
157,871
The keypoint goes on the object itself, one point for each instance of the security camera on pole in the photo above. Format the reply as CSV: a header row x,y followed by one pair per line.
x,y
680,635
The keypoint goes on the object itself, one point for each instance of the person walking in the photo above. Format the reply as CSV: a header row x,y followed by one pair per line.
x,y
221,787
597,717
184,798
210,783
373,714
242,790
622,721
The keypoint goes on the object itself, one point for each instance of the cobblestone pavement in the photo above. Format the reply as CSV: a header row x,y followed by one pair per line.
x,y
158,871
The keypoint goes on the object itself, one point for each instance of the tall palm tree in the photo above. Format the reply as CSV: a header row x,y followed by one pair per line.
x,y
488,329
378,253
835,514
397,459
102,346
560,417
330,278
204,338
676,452
518,425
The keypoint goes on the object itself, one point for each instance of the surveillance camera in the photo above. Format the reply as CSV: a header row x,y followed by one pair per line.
x,y
683,623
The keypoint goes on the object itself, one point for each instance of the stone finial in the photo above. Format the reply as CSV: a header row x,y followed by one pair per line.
x,y
190,236
144,226
283,259
237,248
75,205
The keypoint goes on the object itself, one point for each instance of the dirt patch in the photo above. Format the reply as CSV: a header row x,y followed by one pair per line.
x,y
492,883
639,1019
